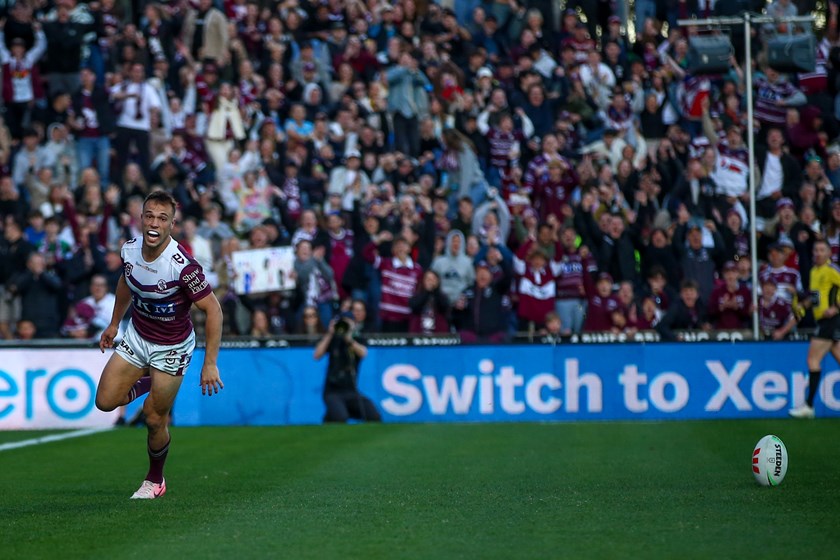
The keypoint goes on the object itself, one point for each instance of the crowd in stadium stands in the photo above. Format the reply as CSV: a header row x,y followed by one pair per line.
x,y
471,166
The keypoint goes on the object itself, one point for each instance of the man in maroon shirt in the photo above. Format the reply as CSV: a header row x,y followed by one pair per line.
x,y
93,122
574,282
730,304
400,276
602,305
553,191
775,314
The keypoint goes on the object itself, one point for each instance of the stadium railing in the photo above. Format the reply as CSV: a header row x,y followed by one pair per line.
x,y
421,340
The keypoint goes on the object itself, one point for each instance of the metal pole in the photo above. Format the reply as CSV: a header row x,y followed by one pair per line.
x,y
748,74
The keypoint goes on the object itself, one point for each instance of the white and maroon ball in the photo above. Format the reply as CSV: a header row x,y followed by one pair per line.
x,y
770,461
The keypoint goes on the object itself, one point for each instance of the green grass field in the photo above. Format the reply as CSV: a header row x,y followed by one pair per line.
x,y
589,490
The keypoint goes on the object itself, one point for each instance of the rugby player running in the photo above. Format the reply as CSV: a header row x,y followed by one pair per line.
x,y
160,282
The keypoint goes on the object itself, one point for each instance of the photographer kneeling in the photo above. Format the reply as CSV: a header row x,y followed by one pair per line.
x,y
341,395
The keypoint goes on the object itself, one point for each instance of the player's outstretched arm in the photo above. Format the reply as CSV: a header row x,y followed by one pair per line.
x,y
210,380
123,300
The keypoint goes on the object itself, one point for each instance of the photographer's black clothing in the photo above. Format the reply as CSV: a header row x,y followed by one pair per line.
x,y
342,367
343,406
341,395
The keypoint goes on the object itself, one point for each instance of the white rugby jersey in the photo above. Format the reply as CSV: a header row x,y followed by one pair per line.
x,y
163,291
730,175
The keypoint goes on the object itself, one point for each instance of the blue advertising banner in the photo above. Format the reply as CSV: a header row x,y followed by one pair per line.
x,y
277,386
263,387
597,382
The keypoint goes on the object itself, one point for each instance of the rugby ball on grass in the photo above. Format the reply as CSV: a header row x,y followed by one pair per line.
x,y
769,461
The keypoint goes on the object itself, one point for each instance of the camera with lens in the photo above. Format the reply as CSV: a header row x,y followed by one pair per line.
x,y
342,326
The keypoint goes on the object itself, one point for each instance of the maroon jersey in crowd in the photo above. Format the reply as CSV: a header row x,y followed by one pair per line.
x,y
729,318
834,243
399,283
206,93
247,92
787,280
191,162
341,251
773,314
536,287
582,47
89,118
574,280
552,196
661,299
812,83
599,313
291,190
767,96
500,145
644,323
538,168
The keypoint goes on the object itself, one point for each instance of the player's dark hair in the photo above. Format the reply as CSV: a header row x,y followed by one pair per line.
x,y
162,197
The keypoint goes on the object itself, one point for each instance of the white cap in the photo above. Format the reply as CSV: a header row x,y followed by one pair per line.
x,y
484,72
352,153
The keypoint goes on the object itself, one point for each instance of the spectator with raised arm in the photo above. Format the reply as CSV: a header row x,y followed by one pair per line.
x,y
407,102
400,275
205,33
66,28
482,312
39,290
93,123
136,100
22,85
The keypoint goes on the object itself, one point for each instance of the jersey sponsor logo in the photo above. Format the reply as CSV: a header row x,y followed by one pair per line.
x,y
144,267
162,311
195,282
130,241
571,267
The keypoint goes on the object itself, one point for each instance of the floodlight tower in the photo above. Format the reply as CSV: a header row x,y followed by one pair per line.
x,y
746,20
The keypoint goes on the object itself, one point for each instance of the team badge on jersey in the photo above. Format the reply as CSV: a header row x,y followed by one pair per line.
x,y
161,286
128,269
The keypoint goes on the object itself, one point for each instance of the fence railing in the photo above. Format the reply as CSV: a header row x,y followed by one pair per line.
x,y
421,340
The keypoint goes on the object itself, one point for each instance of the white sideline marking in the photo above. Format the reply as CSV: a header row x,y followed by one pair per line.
x,y
49,439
